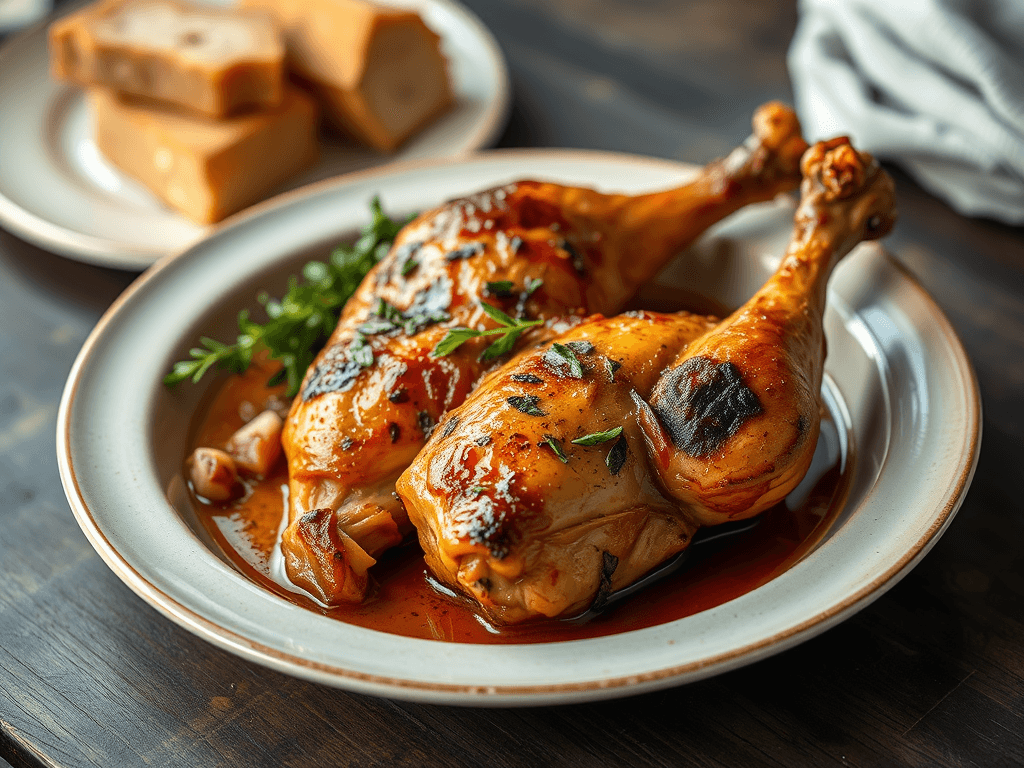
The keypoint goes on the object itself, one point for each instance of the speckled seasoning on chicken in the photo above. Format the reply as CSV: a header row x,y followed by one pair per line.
x,y
540,254
716,421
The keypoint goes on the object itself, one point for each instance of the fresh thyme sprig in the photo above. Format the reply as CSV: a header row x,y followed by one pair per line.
x,y
510,331
299,323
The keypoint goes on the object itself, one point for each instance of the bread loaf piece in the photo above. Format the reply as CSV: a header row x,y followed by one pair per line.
x,y
378,72
214,61
207,169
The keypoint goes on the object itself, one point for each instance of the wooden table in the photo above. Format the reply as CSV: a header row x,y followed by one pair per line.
x,y
932,673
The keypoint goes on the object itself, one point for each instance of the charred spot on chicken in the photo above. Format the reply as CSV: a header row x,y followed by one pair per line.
x,y
609,564
703,404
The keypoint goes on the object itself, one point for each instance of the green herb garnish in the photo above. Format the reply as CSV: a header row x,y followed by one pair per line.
x,y
611,366
387,318
560,356
580,347
360,351
526,404
595,438
526,378
552,443
617,455
453,340
510,331
500,288
299,323
387,311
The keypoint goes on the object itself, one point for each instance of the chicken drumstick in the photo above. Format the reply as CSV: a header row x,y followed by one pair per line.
x,y
583,464
536,250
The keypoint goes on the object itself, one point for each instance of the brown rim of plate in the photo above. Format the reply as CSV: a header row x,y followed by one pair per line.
x,y
99,250
307,669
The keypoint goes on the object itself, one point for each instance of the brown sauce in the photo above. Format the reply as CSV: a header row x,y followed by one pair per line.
x,y
405,602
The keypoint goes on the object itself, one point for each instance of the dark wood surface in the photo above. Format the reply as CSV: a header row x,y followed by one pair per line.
x,y
930,674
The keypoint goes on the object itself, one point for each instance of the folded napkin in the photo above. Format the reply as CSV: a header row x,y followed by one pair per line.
x,y
20,13
935,85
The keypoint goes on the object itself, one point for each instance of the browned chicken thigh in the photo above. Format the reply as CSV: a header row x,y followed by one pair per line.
x,y
585,463
534,250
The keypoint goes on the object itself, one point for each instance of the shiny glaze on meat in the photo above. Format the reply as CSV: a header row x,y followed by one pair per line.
x,y
404,599
355,428
528,532
721,459
719,420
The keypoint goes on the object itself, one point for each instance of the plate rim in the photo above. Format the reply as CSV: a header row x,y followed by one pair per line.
x,y
506,695
115,254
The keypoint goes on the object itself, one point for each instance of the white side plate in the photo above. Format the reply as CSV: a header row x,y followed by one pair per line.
x,y
58,192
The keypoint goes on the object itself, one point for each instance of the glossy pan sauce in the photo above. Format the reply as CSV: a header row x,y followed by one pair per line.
x,y
406,601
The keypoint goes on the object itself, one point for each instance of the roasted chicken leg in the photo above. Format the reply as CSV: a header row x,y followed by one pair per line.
x,y
583,464
535,250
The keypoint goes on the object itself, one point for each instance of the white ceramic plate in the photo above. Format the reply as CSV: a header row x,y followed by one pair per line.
x,y
57,191
900,383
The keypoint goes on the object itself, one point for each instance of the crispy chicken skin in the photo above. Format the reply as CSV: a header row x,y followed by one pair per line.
x,y
504,518
737,414
718,420
565,252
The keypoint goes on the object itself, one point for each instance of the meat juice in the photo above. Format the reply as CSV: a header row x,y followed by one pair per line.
x,y
406,601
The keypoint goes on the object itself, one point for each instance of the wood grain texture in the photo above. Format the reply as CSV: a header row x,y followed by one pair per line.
x,y
930,674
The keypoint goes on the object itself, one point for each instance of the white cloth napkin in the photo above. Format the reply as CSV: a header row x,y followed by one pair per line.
x,y
935,85
19,13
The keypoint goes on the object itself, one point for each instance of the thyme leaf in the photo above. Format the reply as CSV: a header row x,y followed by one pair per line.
x,y
500,288
527,378
526,404
616,457
497,315
552,443
580,347
510,331
504,344
560,355
467,251
360,351
452,340
611,366
595,438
